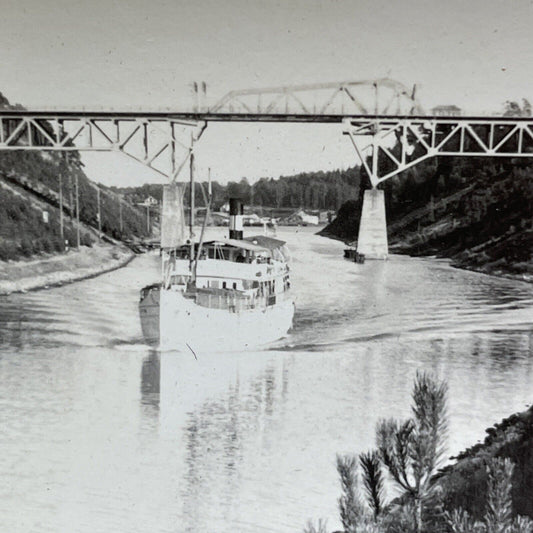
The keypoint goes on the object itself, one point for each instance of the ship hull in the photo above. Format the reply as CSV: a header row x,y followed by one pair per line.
x,y
184,325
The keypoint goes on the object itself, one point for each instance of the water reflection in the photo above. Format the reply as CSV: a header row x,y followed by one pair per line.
x,y
225,407
150,379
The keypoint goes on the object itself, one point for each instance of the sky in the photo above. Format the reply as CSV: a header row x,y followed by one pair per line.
x,y
116,53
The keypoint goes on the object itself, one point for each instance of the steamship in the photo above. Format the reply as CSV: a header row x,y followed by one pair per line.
x,y
227,294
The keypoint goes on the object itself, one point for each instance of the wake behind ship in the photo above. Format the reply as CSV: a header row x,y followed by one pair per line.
x,y
227,294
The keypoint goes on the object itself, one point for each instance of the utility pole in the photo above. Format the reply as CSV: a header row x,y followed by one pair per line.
x,y
209,196
66,159
61,230
195,95
120,214
61,167
191,205
77,214
148,219
99,213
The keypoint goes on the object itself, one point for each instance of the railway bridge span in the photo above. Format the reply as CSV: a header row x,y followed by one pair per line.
x,y
383,119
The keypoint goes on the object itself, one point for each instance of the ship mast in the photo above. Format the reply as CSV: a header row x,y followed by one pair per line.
x,y
207,212
191,214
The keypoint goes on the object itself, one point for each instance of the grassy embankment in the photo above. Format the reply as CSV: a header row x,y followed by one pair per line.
x,y
30,220
33,255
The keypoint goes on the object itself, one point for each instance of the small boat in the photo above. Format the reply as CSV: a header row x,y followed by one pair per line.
x,y
221,295
353,255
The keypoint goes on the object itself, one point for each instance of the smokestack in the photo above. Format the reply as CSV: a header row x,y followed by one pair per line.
x,y
235,218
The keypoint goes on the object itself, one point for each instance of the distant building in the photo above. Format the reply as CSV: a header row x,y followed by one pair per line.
x,y
325,216
300,218
446,111
252,220
149,201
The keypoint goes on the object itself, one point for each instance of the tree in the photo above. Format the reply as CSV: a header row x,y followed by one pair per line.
x,y
349,507
413,450
499,506
320,527
513,109
373,481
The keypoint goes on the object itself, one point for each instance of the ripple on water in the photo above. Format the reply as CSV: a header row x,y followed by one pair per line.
x,y
101,432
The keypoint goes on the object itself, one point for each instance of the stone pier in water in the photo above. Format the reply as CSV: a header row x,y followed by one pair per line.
x,y
372,240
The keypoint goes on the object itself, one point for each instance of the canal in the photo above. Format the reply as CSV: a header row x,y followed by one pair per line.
x,y
100,432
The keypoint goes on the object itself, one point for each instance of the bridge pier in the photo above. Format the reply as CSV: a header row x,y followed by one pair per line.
x,y
372,240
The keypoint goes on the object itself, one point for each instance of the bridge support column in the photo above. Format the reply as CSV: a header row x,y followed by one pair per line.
x,y
372,240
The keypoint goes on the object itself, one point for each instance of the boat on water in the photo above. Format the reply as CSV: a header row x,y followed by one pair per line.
x,y
226,294
353,255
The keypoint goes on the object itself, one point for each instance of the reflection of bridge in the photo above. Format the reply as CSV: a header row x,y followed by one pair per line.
x,y
382,118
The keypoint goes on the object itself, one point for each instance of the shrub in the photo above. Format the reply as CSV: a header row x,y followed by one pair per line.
x,y
47,245
8,251
26,247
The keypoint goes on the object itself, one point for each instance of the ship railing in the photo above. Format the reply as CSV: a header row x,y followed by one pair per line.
x,y
236,302
228,300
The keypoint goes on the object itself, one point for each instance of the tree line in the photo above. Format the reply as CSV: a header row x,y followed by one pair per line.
x,y
309,190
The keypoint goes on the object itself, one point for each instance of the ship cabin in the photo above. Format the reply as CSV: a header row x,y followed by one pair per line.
x,y
251,270
259,249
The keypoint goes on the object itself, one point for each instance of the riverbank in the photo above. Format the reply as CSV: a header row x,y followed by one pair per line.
x,y
463,483
467,261
503,252
507,255
54,270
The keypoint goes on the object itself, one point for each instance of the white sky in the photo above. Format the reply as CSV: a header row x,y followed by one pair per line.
x,y
65,53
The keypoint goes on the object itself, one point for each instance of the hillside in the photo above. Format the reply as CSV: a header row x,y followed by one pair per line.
x,y
464,482
23,230
478,212
29,204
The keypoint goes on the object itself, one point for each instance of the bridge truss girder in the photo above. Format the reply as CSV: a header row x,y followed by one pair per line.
x,y
388,146
382,96
161,143
164,141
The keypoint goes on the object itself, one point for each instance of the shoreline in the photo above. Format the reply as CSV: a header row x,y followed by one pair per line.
x,y
453,262
525,278
61,269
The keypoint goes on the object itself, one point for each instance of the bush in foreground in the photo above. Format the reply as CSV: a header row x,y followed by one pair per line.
x,y
410,453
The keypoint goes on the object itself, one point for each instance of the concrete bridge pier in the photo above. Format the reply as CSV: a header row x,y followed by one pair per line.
x,y
372,240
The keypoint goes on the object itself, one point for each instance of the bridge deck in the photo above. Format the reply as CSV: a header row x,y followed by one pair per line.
x,y
208,116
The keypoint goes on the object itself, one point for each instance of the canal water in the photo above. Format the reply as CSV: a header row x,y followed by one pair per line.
x,y
102,433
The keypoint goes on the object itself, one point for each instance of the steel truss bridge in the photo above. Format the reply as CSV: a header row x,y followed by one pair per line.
x,y
383,119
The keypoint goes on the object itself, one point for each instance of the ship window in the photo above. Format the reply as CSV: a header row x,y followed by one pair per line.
x,y
223,284
234,285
